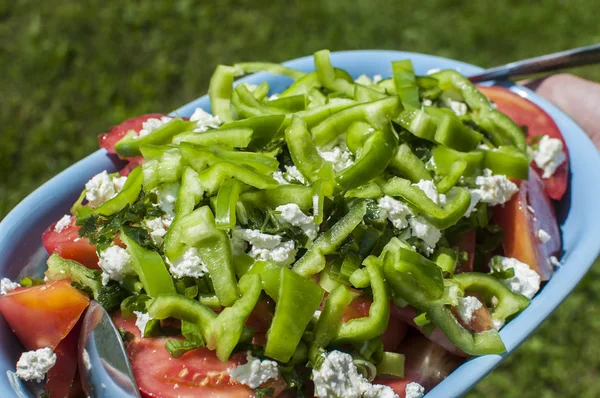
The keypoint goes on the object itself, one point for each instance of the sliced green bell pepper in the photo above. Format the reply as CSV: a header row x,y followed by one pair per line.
x,y
408,165
183,308
128,195
456,171
167,168
327,75
405,82
227,199
444,158
214,176
304,152
280,195
230,137
508,161
243,68
129,146
292,104
311,81
220,90
264,128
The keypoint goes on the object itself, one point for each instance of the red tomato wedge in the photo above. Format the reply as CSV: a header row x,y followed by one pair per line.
x,y
108,140
521,218
41,316
62,379
68,244
525,113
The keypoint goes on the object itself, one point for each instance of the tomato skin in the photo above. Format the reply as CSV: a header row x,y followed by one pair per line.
x,y
520,226
68,244
41,316
108,140
132,164
62,379
525,113
466,243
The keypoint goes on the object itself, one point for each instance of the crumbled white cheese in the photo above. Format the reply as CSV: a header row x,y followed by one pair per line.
x,y
525,281
293,215
543,236
153,124
432,71
317,315
396,211
278,176
167,195
157,229
266,247
467,307
116,264
102,188
142,321
414,390
459,108
422,229
255,372
494,189
549,155
204,120
33,365
427,102
475,197
315,201
292,174
377,78
339,377
340,158
63,223
430,190
189,264
497,323
7,286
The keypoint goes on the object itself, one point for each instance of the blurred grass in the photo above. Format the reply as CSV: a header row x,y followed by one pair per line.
x,y
70,69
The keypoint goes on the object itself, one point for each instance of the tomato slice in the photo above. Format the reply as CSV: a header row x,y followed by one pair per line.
x,y
68,244
41,316
466,243
525,113
521,218
108,140
61,379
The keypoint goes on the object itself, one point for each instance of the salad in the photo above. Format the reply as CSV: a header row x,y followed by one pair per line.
x,y
342,238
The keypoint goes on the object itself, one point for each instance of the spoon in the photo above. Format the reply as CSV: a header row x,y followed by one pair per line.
x,y
103,363
545,63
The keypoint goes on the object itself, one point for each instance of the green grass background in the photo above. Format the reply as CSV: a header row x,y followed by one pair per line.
x,y
70,69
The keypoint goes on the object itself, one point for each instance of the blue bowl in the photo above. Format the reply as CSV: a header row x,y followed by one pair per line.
x,y
21,252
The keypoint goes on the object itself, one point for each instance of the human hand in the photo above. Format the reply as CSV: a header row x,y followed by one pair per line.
x,y
577,97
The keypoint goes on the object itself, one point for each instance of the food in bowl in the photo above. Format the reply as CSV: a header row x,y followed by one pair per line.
x,y
343,237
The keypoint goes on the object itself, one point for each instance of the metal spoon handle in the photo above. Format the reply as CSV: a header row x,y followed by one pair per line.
x,y
545,63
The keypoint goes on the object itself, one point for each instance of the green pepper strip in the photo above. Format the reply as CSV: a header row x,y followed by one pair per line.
x,y
357,135
370,190
444,159
373,325
329,322
298,299
377,114
214,249
418,122
261,91
315,115
201,156
129,146
311,81
313,261
128,195
190,193
150,151
405,287
451,179
165,169
183,308
149,266
228,327
509,303
243,68
367,94
264,128
321,189
508,161
372,161
304,152
270,275
446,259
458,201
451,132
292,104
246,105
281,195
316,98
60,268
428,274
327,74
405,82
220,90
213,177
227,199
232,138
408,165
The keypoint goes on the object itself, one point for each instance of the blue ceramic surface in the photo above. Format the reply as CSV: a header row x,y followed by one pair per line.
x,y
21,252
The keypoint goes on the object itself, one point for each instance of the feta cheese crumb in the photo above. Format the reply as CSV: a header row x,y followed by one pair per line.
x,y
255,372
377,78
189,264
525,281
278,176
63,223
422,229
153,124
340,158
379,391
7,286
432,71
427,102
294,174
118,183
475,198
495,189
157,229
430,190
315,202
467,307
204,120
459,108
167,195
293,215
116,264
102,188
543,236
142,321
266,247
414,390
549,155
33,365
397,212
